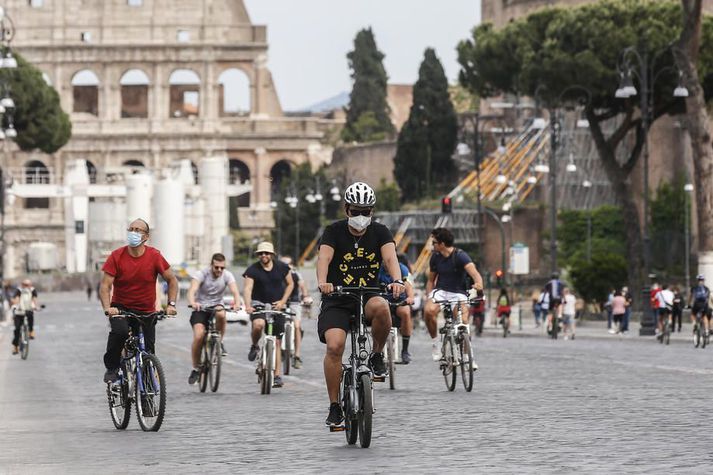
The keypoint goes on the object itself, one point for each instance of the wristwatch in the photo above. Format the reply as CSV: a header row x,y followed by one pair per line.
x,y
172,304
399,281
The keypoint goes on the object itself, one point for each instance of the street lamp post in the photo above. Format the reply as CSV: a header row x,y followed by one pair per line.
x,y
688,189
554,138
293,200
647,79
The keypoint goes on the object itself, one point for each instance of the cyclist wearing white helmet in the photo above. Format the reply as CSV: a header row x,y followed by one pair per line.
x,y
351,251
699,301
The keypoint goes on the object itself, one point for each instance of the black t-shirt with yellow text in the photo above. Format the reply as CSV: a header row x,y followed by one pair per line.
x,y
356,259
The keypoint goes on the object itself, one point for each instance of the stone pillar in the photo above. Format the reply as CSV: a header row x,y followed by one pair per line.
x,y
209,107
261,179
159,111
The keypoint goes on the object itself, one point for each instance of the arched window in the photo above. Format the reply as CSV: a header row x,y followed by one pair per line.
x,y
239,172
134,94
134,165
91,171
36,173
85,91
279,172
184,93
234,93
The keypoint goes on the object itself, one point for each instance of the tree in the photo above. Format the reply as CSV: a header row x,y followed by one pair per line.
x,y
556,50
388,196
668,210
39,119
431,113
593,280
368,112
694,33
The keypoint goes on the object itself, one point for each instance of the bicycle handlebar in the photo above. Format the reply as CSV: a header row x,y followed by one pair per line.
x,y
160,315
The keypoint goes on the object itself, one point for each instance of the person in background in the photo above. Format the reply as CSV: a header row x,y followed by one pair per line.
x,y
569,310
677,311
503,307
544,301
618,308
607,306
298,298
627,310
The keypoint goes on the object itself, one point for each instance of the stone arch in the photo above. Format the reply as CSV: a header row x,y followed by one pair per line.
x,y
91,171
239,173
36,173
134,94
134,165
281,170
85,92
234,93
184,93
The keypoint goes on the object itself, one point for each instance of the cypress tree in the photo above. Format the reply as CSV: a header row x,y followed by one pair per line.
x,y
368,112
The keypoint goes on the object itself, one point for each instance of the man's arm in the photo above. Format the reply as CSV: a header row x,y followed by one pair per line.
x,y
169,277
391,263
288,290
233,286
324,258
192,294
248,293
303,290
431,282
410,293
105,293
475,275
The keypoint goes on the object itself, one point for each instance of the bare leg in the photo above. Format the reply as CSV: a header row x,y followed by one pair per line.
x,y
197,345
430,314
378,313
335,338
258,325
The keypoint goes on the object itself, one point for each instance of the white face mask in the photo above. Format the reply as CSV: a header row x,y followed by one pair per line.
x,y
359,222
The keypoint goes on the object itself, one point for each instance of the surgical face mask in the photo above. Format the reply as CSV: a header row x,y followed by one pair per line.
x,y
133,239
359,222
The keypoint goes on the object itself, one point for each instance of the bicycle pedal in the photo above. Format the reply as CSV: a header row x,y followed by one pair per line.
x,y
337,428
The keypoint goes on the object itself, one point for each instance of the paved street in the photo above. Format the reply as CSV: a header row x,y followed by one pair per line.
x,y
590,405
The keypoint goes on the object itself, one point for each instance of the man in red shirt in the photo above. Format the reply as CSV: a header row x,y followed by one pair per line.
x,y
132,271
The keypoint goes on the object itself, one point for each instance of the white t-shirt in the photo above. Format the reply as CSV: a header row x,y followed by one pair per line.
x,y
211,290
569,302
665,298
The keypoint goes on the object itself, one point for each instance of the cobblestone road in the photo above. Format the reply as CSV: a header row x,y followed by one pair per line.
x,y
590,405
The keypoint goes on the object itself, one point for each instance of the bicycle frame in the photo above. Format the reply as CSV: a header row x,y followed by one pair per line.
x,y
135,344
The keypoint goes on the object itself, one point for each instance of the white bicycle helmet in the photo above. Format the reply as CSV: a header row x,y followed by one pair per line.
x,y
360,194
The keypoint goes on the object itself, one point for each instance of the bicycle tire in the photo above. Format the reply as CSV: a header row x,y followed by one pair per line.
x,y
448,368
24,341
366,413
704,338
667,333
269,375
466,368
505,327
696,335
555,327
121,412
154,382
286,353
204,367
215,362
350,422
391,355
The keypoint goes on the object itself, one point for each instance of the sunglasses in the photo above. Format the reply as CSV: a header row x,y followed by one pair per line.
x,y
264,253
360,212
219,268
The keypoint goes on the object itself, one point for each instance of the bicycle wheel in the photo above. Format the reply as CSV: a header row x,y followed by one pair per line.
x,y
704,338
119,404
555,327
205,366
696,335
216,357
466,362
151,394
391,355
505,327
448,364
269,369
367,410
667,333
350,421
24,341
287,351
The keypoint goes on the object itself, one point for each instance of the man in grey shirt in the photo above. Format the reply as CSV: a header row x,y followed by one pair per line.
x,y
206,293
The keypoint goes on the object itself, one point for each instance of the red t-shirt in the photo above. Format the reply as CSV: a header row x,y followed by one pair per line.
x,y
135,277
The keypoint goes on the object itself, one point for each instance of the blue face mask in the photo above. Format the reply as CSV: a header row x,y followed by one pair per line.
x,y
134,239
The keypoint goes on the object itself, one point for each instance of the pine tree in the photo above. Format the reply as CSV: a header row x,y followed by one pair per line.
x,y
368,112
424,161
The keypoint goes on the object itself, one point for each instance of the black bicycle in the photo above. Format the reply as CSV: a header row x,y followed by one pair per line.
x,y
212,354
700,335
24,340
357,389
141,381
665,336
456,349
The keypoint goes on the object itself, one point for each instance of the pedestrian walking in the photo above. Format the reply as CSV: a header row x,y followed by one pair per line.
x,y
627,310
544,301
607,306
569,304
677,311
90,289
618,310
536,307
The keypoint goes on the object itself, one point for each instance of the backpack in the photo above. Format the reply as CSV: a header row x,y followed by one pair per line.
x,y
26,300
701,294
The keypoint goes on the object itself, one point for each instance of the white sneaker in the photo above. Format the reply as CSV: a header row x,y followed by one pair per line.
x,y
566,337
435,352
475,366
612,331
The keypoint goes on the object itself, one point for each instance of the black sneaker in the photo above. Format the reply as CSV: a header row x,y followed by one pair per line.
x,y
377,364
222,348
252,354
111,375
336,416
277,383
405,357
193,378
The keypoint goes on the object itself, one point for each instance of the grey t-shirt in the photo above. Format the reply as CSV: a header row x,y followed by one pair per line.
x,y
210,290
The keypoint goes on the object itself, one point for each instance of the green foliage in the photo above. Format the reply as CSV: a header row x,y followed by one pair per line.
x,y
39,119
368,93
432,121
608,233
301,182
593,280
388,196
668,209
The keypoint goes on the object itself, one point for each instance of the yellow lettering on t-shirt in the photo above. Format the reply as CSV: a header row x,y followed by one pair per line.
x,y
343,267
348,279
375,265
371,275
371,256
360,252
362,282
348,257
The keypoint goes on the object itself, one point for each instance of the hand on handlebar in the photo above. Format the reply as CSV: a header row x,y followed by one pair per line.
x,y
196,306
249,308
279,305
111,311
396,289
326,288
409,300
171,311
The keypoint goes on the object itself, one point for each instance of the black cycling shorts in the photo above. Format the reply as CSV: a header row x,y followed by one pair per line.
x,y
337,313
278,324
201,317
699,308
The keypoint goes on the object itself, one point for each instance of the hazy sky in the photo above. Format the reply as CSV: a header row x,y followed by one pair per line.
x,y
309,40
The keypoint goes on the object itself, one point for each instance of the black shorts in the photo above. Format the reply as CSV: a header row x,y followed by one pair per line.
x,y
699,308
278,324
201,317
337,313
556,302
